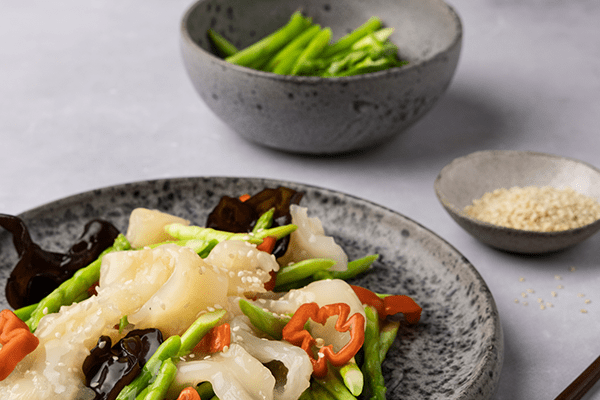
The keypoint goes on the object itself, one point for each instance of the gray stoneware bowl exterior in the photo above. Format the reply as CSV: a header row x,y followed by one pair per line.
x,y
456,350
322,115
468,178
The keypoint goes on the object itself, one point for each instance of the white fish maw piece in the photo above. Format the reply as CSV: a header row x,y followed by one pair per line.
x,y
147,227
65,340
146,266
29,381
192,287
298,367
310,241
247,267
234,375
324,292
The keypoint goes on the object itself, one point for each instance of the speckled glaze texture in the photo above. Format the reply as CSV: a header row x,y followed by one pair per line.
x,y
470,177
456,350
318,115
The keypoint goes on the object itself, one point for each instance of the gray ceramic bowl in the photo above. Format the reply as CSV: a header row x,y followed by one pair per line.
x,y
468,178
322,115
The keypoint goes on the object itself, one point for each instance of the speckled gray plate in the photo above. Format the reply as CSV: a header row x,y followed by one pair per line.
x,y
470,177
455,352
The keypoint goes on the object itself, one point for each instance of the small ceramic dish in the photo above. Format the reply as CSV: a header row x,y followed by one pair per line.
x,y
470,177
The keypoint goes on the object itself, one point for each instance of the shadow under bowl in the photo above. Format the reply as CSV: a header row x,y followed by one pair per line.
x,y
315,115
470,177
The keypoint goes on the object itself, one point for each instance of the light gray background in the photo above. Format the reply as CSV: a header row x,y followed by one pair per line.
x,y
94,94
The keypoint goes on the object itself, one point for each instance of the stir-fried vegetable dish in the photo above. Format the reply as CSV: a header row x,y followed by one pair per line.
x,y
251,304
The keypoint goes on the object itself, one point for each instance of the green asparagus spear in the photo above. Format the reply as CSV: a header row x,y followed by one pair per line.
x,y
387,335
25,312
123,322
352,377
346,62
283,62
372,363
307,395
73,288
319,392
198,329
158,388
373,39
264,320
205,390
202,247
293,285
345,42
224,47
314,48
335,387
369,65
183,232
166,350
265,221
264,49
301,270
355,268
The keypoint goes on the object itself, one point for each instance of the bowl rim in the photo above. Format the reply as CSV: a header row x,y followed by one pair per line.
x,y
459,213
456,41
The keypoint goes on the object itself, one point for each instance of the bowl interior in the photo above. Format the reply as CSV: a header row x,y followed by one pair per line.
x,y
470,177
422,28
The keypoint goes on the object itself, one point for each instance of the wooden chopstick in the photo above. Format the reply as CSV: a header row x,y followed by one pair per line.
x,y
582,383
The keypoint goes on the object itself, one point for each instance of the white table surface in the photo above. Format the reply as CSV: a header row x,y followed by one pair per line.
x,y
94,93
